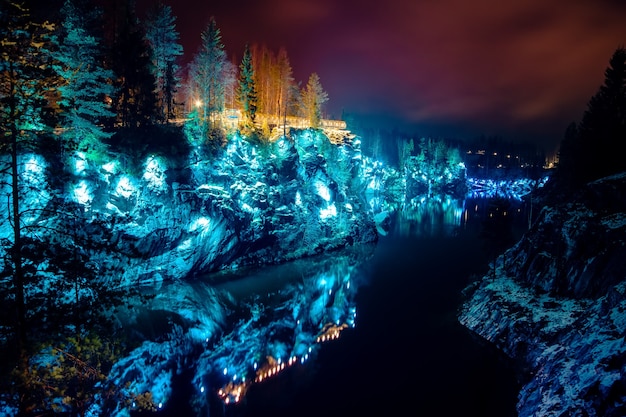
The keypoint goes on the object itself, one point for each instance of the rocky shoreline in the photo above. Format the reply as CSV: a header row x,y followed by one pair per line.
x,y
225,211
556,303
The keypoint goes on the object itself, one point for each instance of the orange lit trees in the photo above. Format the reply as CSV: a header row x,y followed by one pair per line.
x,y
263,63
274,80
312,98
287,89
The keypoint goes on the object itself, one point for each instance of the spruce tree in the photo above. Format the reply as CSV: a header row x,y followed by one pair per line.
x,y
312,99
603,126
246,91
592,149
165,50
56,295
135,102
85,85
207,76
26,80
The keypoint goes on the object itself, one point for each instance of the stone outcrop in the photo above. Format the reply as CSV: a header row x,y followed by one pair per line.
x,y
249,204
557,304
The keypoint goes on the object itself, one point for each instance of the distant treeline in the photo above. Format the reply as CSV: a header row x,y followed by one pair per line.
x,y
593,148
136,67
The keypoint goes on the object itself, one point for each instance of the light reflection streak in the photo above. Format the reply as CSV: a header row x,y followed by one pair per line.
x,y
233,392
305,314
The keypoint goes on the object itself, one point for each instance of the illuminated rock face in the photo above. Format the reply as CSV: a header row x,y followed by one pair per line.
x,y
557,303
248,205
229,345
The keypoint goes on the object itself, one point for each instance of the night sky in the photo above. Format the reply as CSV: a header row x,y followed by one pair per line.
x,y
519,69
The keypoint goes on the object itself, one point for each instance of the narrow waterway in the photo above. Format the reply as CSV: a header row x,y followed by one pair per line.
x,y
407,354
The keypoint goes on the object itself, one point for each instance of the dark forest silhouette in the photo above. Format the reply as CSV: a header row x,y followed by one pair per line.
x,y
592,148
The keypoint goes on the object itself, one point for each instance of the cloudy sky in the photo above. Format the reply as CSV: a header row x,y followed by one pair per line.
x,y
520,69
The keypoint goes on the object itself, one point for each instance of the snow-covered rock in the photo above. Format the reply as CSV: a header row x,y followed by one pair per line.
x,y
557,304
248,204
231,336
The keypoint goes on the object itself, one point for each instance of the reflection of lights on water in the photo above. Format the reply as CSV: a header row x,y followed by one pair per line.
x,y
330,332
514,189
233,391
272,367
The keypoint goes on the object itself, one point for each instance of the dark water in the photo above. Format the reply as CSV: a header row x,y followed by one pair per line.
x,y
407,355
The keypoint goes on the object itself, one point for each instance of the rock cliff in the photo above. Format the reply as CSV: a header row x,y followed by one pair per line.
x,y
246,204
556,302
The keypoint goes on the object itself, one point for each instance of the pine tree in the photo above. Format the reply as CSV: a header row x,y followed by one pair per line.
x,y
312,98
26,81
85,86
208,75
592,149
273,77
246,91
165,50
262,62
135,102
53,291
286,85
603,126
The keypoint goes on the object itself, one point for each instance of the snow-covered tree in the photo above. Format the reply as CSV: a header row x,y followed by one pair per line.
x,y
208,76
246,91
165,51
313,97
85,84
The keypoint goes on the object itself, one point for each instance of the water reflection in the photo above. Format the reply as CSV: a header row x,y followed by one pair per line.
x,y
241,328
235,329
442,215
429,216
509,189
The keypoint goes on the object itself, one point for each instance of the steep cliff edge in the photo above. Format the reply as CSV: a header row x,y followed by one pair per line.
x,y
245,203
557,304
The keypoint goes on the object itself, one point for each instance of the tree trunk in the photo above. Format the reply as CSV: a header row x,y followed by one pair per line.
x,y
16,258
